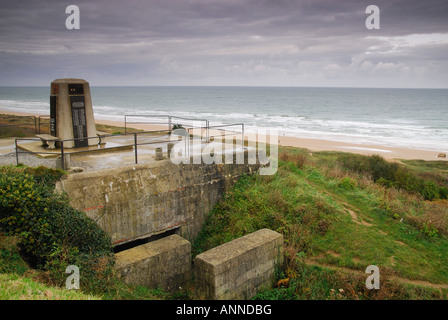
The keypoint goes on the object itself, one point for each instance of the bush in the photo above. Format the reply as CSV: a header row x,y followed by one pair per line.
x,y
429,190
429,230
443,193
347,183
52,235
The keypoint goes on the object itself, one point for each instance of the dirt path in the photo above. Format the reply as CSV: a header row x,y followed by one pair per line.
x,y
313,262
348,207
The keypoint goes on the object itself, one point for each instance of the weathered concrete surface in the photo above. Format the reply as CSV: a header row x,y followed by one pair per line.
x,y
164,263
240,268
138,201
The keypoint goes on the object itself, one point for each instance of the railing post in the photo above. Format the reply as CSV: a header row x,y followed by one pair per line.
x,y
125,129
207,124
242,136
62,155
135,148
17,153
169,123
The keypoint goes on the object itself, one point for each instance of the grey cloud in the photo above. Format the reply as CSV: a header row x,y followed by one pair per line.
x,y
255,41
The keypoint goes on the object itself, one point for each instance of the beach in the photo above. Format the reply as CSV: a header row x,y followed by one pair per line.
x,y
313,145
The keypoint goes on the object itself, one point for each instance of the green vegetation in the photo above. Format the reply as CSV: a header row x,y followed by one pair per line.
x,y
114,129
26,126
52,235
40,235
15,287
20,126
430,186
338,215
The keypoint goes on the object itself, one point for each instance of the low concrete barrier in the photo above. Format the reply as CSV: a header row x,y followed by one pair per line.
x,y
163,263
240,268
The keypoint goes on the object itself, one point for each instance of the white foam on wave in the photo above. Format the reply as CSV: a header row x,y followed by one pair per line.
x,y
364,148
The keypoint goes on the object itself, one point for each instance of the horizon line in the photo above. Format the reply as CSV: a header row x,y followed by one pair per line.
x,y
237,86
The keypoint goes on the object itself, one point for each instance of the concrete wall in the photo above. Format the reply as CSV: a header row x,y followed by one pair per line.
x,y
164,263
138,201
238,269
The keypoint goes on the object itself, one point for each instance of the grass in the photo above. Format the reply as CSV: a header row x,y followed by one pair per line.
x,y
10,259
428,166
18,281
18,126
16,287
335,223
114,129
25,126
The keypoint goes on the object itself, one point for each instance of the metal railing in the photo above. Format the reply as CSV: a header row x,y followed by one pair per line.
x,y
168,121
136,135
225,132
63,153
126,122
40,122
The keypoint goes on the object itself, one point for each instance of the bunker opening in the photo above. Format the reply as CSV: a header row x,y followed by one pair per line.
x,y
138,242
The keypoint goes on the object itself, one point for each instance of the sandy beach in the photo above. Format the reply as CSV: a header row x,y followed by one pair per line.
x,y
312,144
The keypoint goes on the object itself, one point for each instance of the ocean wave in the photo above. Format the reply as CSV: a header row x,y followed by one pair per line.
x,y
38,107
340,121
400,133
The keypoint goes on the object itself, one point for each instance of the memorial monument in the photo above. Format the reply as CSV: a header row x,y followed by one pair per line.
x,y
71,113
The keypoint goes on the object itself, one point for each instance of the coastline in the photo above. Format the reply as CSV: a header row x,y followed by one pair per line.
x,y
311,144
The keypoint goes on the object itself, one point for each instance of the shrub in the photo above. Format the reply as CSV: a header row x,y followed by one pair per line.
x,y
443,193
347,183
429,190
391,174
429,229
52,234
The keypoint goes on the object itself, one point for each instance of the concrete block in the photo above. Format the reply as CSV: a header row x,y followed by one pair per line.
x,y
164,263
239,268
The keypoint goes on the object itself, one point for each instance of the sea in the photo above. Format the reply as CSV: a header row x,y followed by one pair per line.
x,y
409,118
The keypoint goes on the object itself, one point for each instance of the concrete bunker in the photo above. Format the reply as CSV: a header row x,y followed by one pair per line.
x,y
164,263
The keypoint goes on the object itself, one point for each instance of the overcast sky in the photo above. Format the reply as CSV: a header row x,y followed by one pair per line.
x,y
226,42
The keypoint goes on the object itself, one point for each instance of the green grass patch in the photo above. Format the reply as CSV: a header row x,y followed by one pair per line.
x,y
15,287
331,211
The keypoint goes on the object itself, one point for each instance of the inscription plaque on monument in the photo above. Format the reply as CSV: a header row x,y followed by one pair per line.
x,y
79,121
53,100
